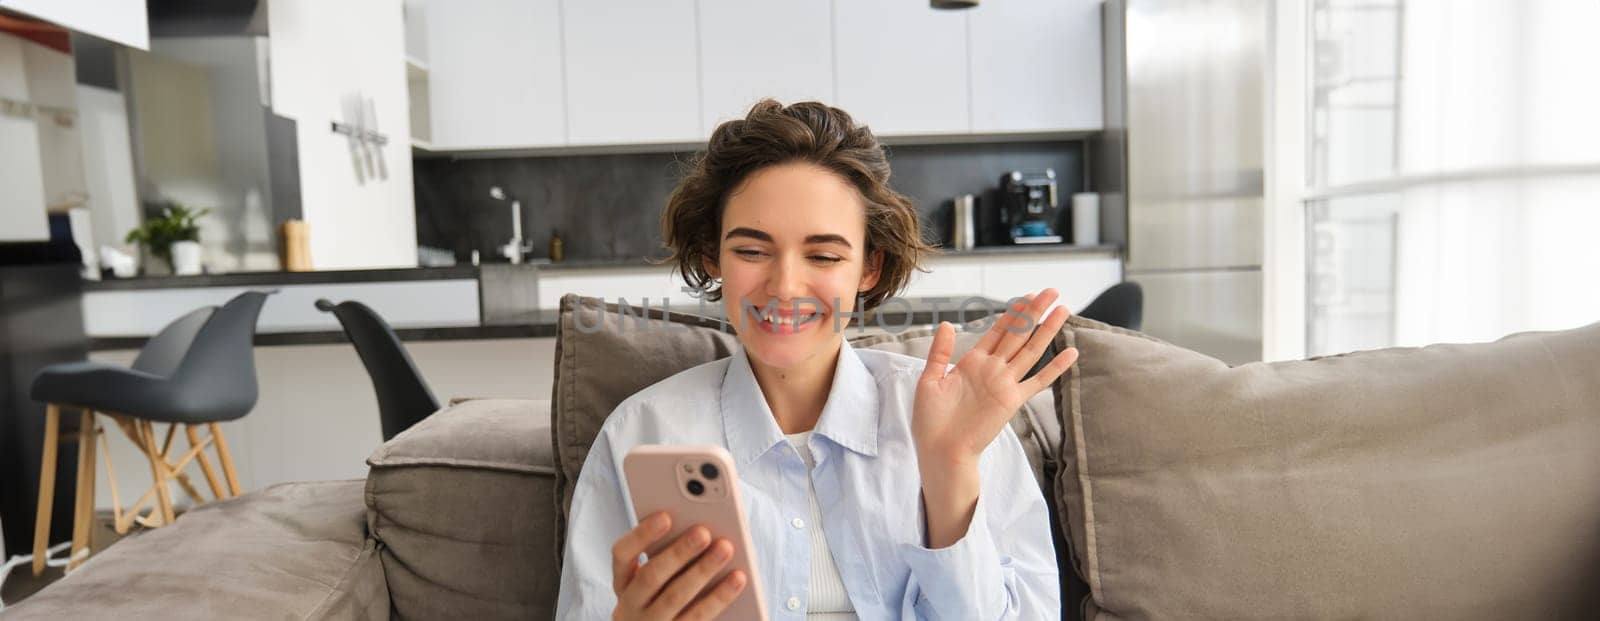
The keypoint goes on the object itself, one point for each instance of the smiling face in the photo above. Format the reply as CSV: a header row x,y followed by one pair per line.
x,y
793,235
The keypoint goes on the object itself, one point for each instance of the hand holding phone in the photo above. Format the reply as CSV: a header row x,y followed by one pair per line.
x,y
693,530
670,584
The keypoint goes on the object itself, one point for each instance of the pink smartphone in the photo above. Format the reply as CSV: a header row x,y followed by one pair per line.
x,y
697,485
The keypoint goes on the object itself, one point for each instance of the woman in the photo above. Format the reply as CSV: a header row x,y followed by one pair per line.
x,y
877,485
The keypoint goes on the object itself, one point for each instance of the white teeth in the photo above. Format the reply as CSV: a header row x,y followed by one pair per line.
x,y
775,319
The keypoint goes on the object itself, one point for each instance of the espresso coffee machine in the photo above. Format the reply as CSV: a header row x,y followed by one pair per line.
x,y
1029,210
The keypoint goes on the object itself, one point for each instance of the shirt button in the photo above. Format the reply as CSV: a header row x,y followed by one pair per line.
x,y
798,523
794,603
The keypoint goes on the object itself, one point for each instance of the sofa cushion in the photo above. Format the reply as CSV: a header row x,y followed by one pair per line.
x,y
602,358
1447,482
461,502
290,551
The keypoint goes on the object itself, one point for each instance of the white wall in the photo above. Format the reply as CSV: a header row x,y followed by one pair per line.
x,y
107,165
22,215
321,52
52,81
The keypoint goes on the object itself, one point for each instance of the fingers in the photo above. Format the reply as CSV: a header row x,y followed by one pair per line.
x,y
662,566
625,552
1010,316
944,346
1026,357
683,589
1022,328
1048,375
718,599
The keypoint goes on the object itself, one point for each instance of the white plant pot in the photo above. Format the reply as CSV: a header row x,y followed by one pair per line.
x,y
186,258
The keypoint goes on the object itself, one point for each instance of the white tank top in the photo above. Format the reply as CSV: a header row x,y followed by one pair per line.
x,y
828,600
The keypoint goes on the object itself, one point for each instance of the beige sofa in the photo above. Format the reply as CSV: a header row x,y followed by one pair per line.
x,y
1457,481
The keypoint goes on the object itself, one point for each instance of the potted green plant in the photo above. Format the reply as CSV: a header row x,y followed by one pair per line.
x,y
173,237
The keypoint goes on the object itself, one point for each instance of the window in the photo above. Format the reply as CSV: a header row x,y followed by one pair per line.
x,y
1453,170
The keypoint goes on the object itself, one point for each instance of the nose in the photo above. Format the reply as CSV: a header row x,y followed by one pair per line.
x,y
786,282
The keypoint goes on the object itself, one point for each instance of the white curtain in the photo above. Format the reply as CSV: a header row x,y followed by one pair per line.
x,y
1509,92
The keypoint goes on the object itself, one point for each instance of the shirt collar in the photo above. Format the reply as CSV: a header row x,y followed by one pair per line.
x,y
849,418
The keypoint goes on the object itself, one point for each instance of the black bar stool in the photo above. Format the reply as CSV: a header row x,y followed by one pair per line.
x,y
199,370
1122,306
403,396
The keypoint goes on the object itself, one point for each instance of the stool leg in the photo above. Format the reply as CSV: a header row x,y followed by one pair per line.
x,y
111,482
226,458
158,473
205,464
84,518
47,486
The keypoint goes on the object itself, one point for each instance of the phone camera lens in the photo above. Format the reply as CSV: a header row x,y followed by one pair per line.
x,y
709,471
696,488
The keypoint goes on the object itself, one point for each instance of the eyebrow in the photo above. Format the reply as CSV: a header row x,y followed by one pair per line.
x,y
821,238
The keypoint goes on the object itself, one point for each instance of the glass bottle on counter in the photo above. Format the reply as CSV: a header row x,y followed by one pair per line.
x,y
555,245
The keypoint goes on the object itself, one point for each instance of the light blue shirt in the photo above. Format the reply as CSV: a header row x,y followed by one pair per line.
x,y
866,482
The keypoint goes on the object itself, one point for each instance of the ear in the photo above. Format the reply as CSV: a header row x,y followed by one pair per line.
x,y
869,278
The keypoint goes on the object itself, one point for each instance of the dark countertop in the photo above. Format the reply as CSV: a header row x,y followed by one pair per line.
x,y
542,323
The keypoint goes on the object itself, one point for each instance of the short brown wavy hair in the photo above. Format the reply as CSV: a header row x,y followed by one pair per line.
x,y
773,134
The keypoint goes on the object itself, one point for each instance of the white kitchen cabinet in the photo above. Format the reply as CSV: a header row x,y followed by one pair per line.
x,y
751,49
632,72
1036,66
1079,278
550,73
634,284
494,74
901,67
946,277
121,21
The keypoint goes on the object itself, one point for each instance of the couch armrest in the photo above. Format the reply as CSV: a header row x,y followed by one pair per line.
x,y
464,505
290,551
500,434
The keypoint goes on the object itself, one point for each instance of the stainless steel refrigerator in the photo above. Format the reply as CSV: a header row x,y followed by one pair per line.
x,y
1182,152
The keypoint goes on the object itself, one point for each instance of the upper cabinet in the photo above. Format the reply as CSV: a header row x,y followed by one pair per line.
x,y
494,74
550,73
1035,66
902,66
120,21
632,75
751,49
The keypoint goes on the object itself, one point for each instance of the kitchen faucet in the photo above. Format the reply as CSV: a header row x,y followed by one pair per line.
x,y
517,247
